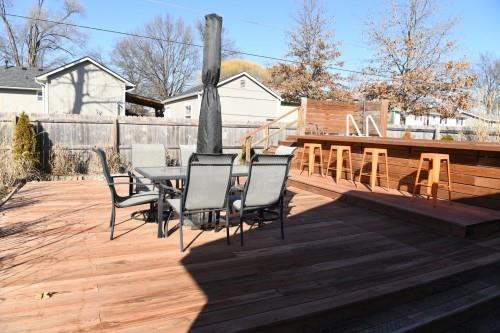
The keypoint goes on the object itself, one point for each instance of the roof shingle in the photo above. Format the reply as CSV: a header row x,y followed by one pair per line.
x,y
15,77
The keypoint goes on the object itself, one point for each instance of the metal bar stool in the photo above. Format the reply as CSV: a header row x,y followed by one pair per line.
x,y
339,153
311,160
434,171
375,152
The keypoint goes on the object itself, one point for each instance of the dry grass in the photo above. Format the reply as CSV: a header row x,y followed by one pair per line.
x,y
13,171
64,162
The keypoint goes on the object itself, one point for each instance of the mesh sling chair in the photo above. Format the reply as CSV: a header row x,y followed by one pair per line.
x,y
146,155
206,189
118,201
264,188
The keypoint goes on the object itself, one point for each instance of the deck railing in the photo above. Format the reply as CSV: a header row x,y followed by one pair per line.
x,y
267,134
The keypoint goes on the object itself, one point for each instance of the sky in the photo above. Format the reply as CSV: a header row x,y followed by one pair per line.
x,y
259,26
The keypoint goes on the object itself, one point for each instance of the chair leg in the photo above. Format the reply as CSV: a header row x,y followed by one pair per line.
x,y
165,226
112,222
241,230
302,159
227,227
329,161
362,165
350,165
181,220
387,171
281,219
418,175
321,161
449,180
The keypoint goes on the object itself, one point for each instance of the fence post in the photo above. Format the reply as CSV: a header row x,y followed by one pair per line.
x,y
301,117
384,110
115,135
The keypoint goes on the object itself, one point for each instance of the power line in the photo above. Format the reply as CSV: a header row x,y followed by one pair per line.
x,y
351,71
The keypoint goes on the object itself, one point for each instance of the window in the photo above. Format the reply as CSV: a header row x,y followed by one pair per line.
x,y
39,95
187,111
242,83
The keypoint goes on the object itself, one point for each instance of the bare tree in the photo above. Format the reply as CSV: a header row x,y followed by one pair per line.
x,y
228,45
42,40
311,44
163,64
488,83
413,49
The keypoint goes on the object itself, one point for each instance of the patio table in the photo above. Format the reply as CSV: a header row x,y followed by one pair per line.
x,y
161,174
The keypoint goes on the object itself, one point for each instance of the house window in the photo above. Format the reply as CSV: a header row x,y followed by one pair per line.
x,y
242,83
187,111
39,95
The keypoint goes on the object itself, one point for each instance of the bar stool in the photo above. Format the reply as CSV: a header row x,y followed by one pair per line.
x,y
311,163
434,171
339,152
375,152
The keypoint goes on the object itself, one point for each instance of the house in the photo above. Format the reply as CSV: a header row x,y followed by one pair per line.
x,y
19,91
243,99
83,86
431,119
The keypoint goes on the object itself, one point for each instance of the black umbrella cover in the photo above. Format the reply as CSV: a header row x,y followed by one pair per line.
x,y
210,122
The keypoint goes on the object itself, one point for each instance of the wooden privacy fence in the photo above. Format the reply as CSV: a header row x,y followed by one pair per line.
x,y
331,115
81,133
475,168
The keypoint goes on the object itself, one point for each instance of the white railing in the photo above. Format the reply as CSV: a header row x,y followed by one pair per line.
x,y
368,119
350,118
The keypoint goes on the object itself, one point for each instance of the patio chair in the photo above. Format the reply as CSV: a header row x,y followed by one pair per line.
x,y
206,190
264,188
185,153
146,155
118,201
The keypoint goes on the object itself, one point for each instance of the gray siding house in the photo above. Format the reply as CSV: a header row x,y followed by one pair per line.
x,y
83,87
243,99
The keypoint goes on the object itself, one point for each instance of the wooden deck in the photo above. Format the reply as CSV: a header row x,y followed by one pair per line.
x,y
336,258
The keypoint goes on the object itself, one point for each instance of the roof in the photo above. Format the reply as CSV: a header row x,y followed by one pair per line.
x,y
45,75
193,91
19,78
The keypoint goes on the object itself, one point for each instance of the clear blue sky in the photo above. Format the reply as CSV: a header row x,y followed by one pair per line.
x,y
258,26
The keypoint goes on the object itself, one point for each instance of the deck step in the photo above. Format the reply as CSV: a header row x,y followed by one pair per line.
x,y
457,219
440,299
437,312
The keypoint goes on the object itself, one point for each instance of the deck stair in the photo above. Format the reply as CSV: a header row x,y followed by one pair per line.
x,y
457,301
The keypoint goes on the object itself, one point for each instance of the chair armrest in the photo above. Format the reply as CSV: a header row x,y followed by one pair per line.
x,y
120,176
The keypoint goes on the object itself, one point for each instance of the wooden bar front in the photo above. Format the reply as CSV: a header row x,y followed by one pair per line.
x,y
475,167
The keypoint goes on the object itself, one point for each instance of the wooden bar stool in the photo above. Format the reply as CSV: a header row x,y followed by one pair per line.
x,y
339,153
375,152
311,160
432,185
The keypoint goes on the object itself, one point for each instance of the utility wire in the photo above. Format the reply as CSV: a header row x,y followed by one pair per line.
x,y
351,71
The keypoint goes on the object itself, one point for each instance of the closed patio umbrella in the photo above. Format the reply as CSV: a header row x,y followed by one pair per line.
x,y
210,121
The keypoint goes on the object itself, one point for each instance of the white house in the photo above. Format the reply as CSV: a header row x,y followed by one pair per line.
x,y
431,119
82,87
243,99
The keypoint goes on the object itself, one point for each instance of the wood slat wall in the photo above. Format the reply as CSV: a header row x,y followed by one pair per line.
x,y
332,114
475,174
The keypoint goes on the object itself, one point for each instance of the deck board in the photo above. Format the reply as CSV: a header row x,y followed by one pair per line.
x,y
54,238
